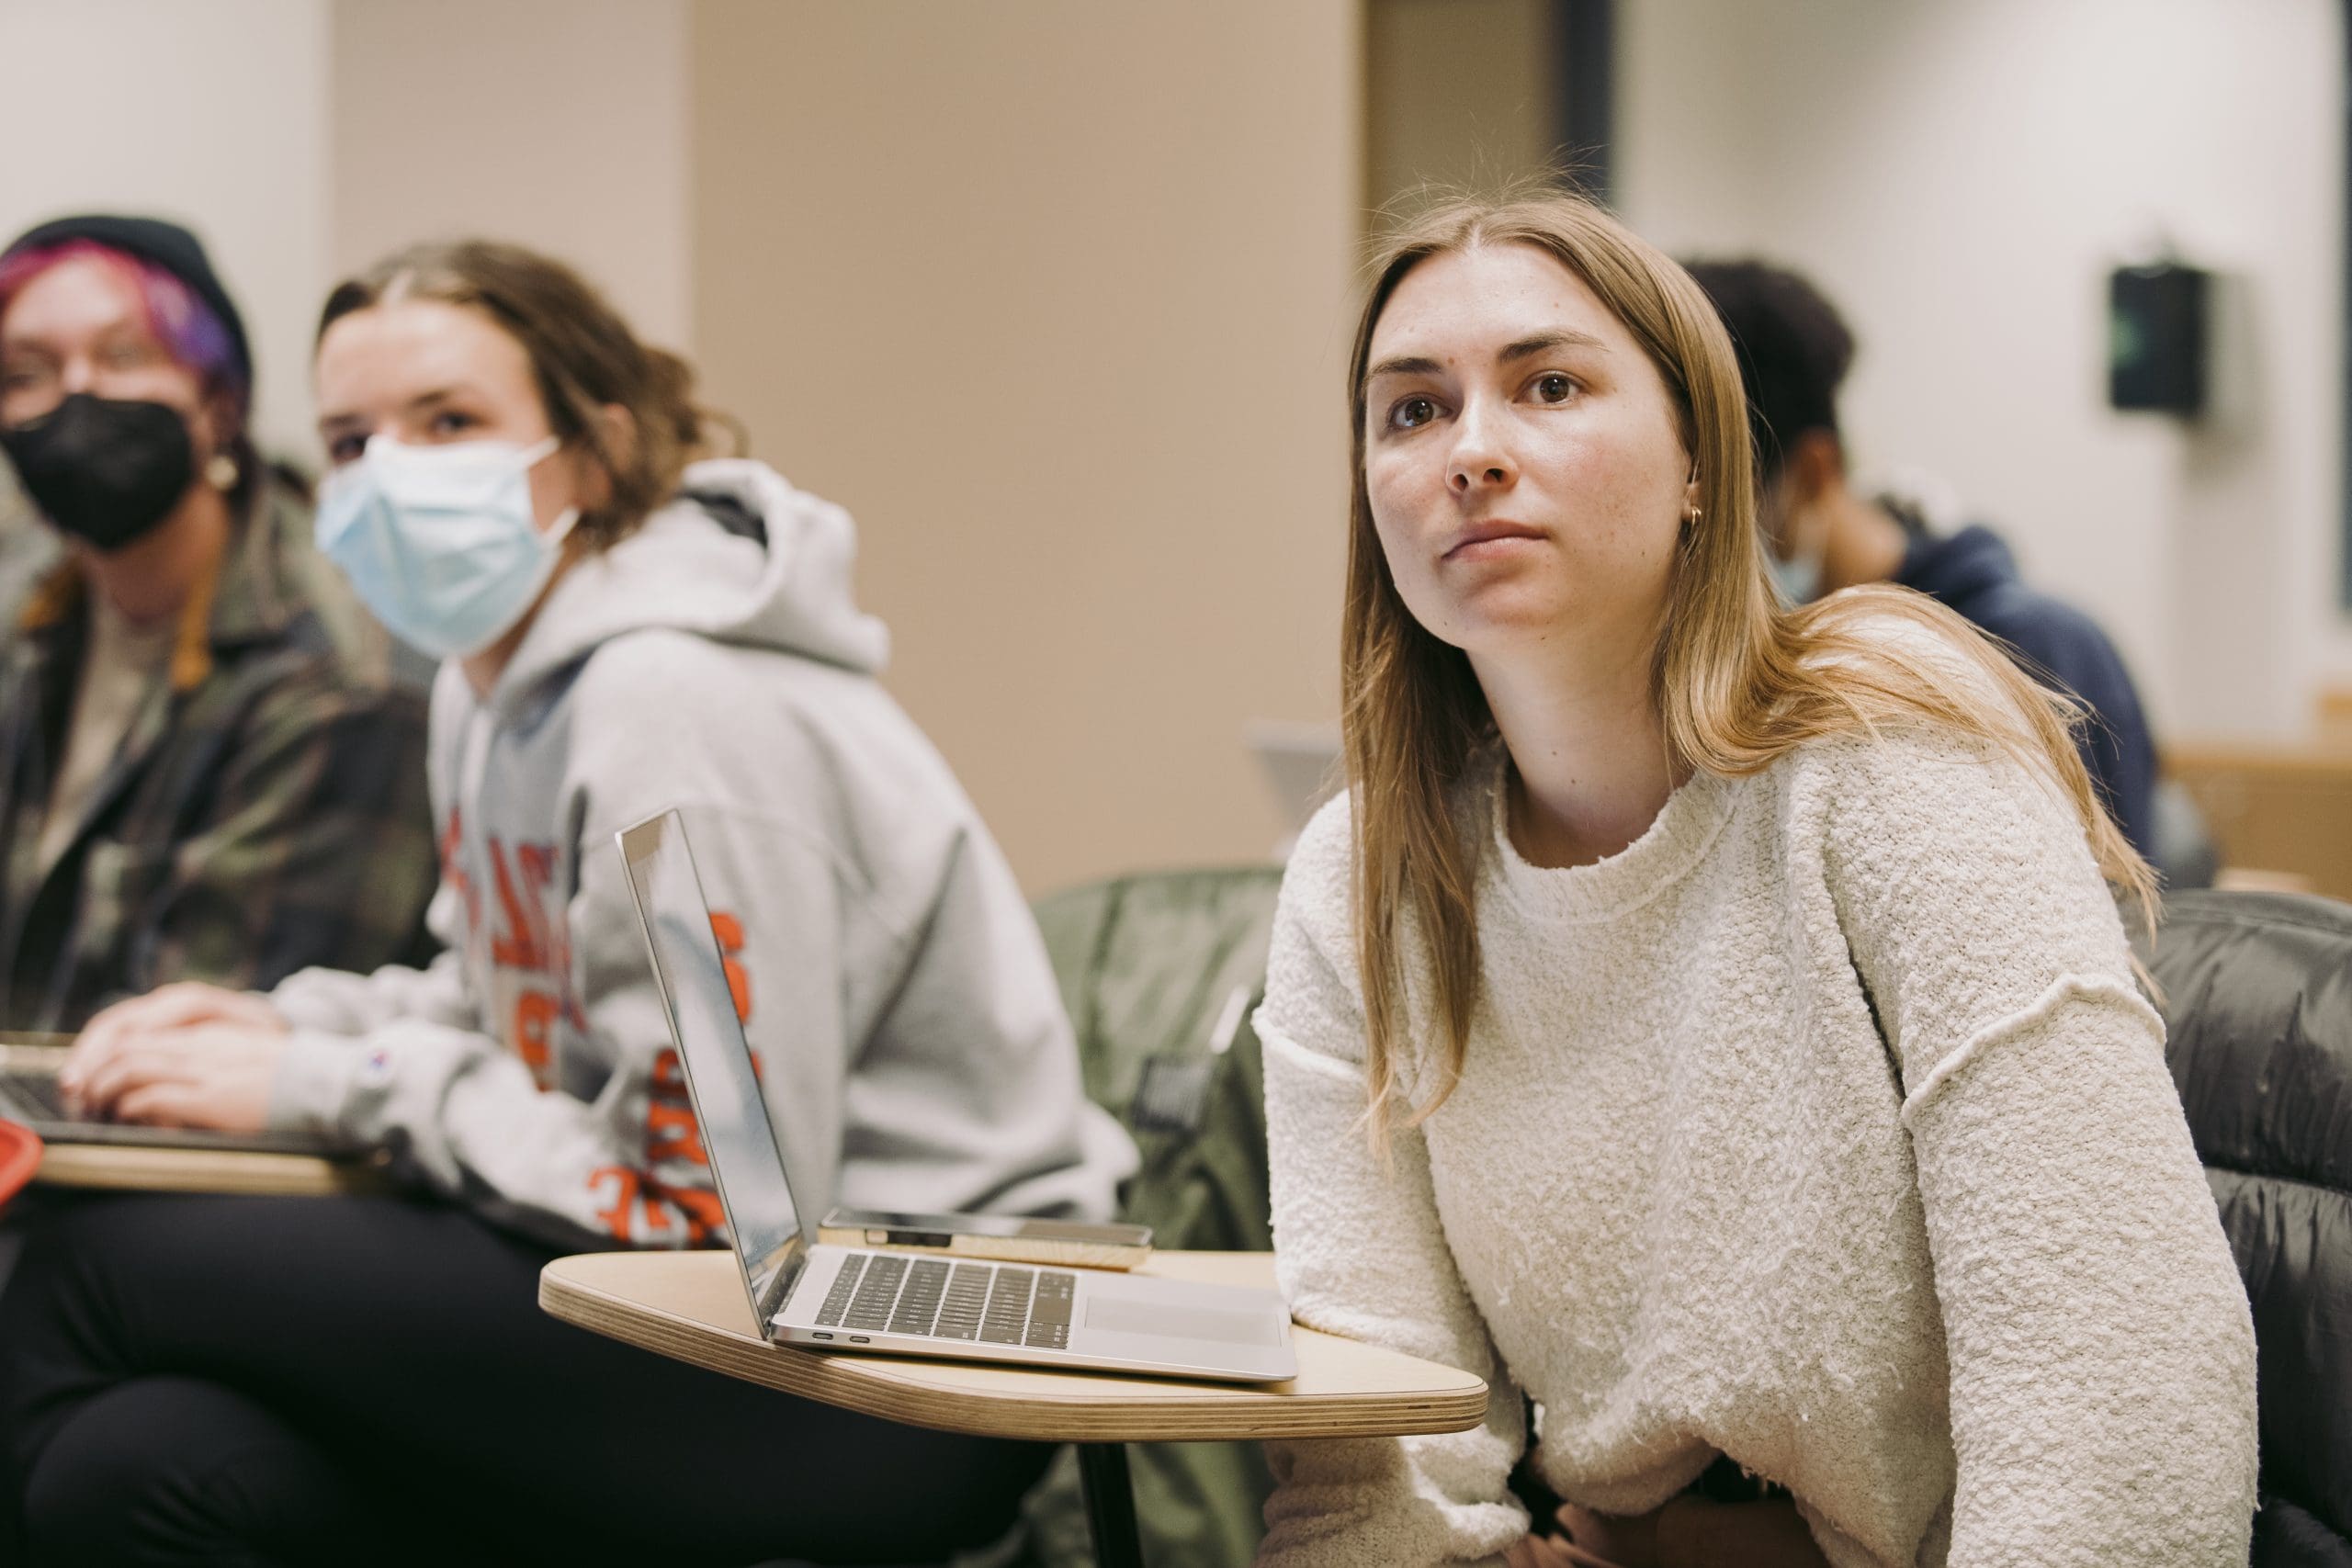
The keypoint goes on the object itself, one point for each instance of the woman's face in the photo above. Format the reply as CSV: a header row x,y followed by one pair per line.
x,y
81,326
1523,461
426,373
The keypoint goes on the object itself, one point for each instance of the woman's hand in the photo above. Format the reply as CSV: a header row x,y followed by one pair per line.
x,y
1623,1543
157,1066
169,1007
1551,1552
1758,1535
1590,1540
1688,1532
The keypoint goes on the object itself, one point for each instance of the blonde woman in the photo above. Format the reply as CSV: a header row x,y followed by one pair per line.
x,y
1711,1019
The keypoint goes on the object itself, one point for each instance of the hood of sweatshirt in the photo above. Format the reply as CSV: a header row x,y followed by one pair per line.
x,y
740,557
1961,569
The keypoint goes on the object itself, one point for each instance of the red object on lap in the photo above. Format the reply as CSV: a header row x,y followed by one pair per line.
x,y
19,1157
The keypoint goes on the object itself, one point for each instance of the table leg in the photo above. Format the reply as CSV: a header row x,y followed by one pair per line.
x,y
1110,1504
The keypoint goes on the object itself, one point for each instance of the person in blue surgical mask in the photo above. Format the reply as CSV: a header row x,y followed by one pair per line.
x,y
519,486
1825,532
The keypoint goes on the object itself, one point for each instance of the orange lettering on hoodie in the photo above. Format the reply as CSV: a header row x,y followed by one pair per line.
x,y
548,935
670,1132
638,1197
729,931
535,1016
625,1182
518,947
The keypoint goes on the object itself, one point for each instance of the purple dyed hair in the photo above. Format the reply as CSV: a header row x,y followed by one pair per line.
x,y
184,324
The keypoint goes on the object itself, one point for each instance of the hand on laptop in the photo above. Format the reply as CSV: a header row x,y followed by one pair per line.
x,y
178,1005
185,1055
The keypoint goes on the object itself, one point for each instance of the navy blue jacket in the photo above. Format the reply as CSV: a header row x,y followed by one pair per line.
x,y
1973,573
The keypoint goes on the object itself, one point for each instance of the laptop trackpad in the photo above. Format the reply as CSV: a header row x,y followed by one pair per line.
x,y
1119,1315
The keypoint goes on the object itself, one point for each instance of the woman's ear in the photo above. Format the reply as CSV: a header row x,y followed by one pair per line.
x,y
1816,466
215,419
612,450
618,431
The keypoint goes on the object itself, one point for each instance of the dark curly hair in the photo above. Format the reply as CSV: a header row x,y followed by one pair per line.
x,y
1793,348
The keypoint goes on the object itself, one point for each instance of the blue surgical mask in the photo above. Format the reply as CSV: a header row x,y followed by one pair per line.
x,y
1799,579
440,541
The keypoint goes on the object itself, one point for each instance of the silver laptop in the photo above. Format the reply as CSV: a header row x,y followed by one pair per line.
x,y
826,1297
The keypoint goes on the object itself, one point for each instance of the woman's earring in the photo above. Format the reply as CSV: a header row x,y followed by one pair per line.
x,y
221,473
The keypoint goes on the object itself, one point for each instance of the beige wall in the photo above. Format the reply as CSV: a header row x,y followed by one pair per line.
x,y
1052,294
303,138
1459,93
215,115
558,123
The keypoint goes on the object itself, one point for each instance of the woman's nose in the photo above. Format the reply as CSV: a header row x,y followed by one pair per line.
x,y
1479,460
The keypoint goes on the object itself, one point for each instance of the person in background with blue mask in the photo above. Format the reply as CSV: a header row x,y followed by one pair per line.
x,y
624,629
206,771
1824,533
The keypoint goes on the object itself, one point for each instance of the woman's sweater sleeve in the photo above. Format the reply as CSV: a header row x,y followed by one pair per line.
x,y
1360,1252
2101,1349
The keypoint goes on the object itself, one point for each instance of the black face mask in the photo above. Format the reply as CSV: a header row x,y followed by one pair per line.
x,y
105,471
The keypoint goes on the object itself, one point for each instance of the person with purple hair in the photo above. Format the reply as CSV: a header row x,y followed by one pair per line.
x,y
206,772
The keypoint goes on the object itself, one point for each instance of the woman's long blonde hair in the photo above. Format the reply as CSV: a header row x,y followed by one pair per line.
x,y
1738,681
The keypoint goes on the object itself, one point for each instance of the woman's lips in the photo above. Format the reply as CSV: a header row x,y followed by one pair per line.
x,y
1491,539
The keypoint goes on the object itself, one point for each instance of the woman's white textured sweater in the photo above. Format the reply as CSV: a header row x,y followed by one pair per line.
x,y
1823,1128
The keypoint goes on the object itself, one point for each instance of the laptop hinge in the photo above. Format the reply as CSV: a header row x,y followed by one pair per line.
x,y
786,1262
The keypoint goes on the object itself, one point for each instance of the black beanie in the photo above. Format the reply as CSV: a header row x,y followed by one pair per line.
x,y
167,246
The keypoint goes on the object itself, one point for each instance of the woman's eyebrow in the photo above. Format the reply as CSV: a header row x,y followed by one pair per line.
x,y
417,404
1403,365
1543,343
1510,354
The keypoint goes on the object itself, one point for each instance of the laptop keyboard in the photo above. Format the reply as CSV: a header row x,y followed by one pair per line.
x,y
39,1092
880,1293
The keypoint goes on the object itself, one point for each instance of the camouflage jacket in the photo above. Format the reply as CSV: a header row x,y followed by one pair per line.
x,y
266,811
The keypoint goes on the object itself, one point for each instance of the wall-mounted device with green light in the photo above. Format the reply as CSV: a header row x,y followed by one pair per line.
x,y
2156,318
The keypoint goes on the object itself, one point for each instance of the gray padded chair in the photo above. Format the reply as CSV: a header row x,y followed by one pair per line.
x,y
2258,999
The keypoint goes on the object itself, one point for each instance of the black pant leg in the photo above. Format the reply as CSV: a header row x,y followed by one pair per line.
x,y
174,1470
404,1339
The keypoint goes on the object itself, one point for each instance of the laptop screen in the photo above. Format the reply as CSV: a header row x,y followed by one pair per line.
x,y
769,1231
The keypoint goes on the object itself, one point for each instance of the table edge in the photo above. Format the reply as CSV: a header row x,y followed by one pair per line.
x,y
811,1374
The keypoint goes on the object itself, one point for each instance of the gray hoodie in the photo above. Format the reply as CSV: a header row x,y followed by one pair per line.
x,y
908,1031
